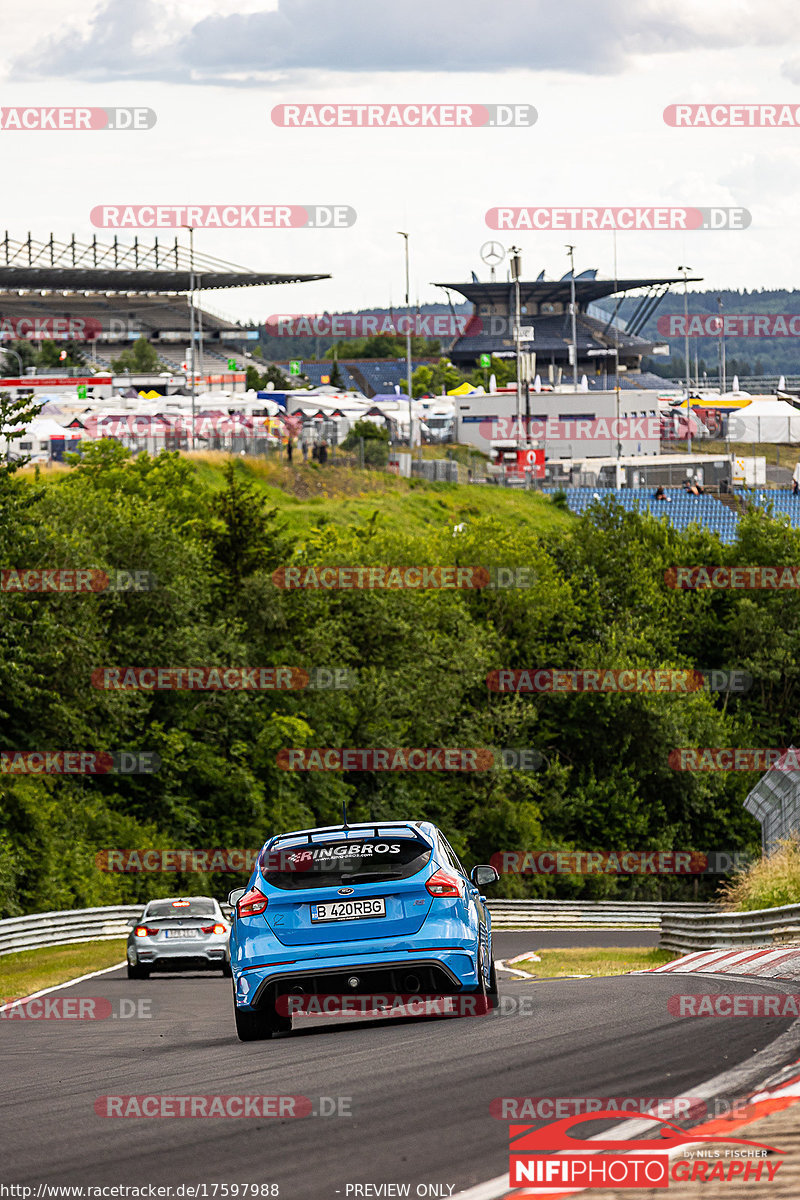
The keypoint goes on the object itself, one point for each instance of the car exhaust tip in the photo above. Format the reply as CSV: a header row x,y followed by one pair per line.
x,y
412,983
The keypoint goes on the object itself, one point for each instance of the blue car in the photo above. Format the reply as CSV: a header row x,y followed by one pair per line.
x,y
376,908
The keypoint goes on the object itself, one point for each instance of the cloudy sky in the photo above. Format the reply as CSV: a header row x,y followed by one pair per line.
x,y
599,72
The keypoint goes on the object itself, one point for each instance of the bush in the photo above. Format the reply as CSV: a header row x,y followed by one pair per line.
x,y
768,882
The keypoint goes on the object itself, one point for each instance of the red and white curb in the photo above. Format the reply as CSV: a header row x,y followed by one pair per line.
x,y
778,962
760,1104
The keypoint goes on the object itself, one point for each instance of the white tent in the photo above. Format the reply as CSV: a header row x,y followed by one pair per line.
x,y
765,421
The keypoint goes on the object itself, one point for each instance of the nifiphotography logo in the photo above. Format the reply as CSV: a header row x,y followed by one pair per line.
x,y
546,1157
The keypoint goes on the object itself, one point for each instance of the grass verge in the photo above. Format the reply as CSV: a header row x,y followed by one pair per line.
x,y
558,963
32,970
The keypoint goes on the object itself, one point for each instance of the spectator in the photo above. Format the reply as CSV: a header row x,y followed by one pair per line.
x,y
289,451
323,453
795,487
315,452
304,449
660,493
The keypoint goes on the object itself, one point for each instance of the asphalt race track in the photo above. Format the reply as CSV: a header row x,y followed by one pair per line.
x,y
419,1090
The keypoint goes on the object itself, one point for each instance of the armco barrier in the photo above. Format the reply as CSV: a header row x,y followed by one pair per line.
x,y
728,930
588,914
61,928
104,924
74,925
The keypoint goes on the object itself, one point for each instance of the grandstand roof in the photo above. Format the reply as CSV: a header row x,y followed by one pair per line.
x,y
543,290
73,266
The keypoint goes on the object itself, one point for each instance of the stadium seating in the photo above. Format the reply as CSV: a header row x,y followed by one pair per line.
x,y
681,510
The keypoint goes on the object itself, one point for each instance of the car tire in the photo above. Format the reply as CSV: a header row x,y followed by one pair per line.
x,y
138,972
257,1025
492,992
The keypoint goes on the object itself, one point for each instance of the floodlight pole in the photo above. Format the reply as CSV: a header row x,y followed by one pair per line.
x,y
686,356
723,383
191,321
408,357
516,271
571,253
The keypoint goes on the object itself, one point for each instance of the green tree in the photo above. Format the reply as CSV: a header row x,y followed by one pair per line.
x,y
15,417
504,370
26,353
141,359
433,380
336,376
376,442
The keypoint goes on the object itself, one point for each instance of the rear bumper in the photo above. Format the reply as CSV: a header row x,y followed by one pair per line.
x,y
185,953
449,971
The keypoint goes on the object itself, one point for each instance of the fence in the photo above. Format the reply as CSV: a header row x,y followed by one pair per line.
x,y
588,914
686,932
63,928
104,924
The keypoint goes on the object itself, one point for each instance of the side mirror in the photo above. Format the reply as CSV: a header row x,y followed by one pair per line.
x,y
483,875
235,896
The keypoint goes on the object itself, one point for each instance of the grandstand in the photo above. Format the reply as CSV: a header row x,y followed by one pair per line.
x,y
545,304
113,293
371,376
681,509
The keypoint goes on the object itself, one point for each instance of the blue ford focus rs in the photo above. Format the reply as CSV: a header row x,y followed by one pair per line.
x,y
375,908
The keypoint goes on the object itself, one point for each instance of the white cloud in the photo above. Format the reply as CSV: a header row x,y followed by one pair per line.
x,y
586,37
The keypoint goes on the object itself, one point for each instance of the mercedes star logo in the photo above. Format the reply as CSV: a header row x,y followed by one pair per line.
x,y
492,253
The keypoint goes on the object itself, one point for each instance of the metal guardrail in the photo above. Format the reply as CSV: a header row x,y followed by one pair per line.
x,y
686,932
104,924
588,914
61,928
73,925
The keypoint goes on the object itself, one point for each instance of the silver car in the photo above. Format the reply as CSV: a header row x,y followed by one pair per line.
x,y
184,934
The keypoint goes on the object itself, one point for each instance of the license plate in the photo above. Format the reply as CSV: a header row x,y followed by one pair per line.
x,y
348,910
186,933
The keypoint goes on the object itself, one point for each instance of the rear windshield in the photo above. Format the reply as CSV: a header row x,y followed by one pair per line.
x,y
181,908
357,860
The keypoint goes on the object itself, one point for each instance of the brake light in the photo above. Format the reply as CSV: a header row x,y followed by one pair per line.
x,y
442,884
251,904
215,928
144,931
